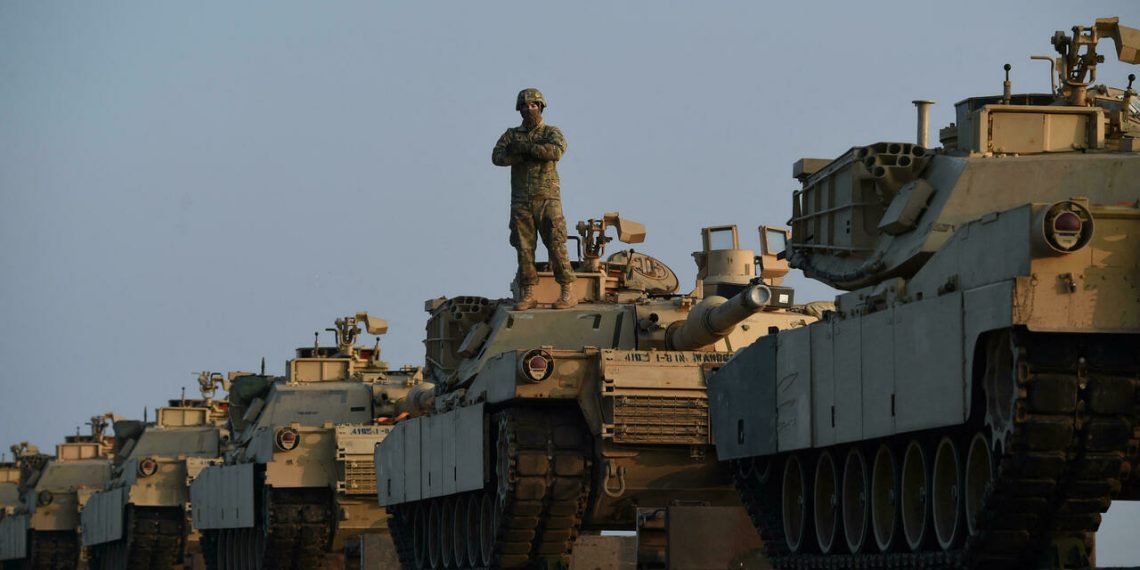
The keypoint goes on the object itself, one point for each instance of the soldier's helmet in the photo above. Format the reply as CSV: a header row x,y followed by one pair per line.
x,y
528,95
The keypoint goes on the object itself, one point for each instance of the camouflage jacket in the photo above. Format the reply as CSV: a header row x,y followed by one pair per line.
x,y
531,154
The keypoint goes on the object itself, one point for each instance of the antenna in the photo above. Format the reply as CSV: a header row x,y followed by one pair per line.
x,y
1007,87
263,366
144,415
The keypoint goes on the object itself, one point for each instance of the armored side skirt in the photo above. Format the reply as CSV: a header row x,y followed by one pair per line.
x,y
223,497
432,456
907,365
14,537
840,381
102,518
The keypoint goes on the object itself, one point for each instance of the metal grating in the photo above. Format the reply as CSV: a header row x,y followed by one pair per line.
x,y
359,477
661,420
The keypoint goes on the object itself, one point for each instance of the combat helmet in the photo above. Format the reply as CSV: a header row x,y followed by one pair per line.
x,y
530,94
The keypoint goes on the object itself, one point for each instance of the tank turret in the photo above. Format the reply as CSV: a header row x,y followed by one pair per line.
x,y
880,211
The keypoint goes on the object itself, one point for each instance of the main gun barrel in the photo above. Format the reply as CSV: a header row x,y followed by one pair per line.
x,y
715,317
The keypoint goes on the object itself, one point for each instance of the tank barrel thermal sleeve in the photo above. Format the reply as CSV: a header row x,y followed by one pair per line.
x,y
418,401
715,317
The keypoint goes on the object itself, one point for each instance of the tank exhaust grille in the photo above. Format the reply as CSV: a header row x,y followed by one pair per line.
x,y
661,420
359,478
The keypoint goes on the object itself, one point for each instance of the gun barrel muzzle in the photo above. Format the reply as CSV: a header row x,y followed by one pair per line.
x,y
715,318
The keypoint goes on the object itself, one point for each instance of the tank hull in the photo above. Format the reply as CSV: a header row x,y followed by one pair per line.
x,y
628,430
1000,385
296,509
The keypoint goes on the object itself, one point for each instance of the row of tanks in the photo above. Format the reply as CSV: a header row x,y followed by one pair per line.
x,y
971,399
43,496
279,474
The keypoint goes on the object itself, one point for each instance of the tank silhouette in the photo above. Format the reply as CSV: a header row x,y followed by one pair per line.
x,y
141,519
542,424
974,398
299,480
42,531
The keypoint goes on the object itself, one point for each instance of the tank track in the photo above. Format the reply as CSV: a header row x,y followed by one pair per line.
x,y
155,539
540,490
543,485
400,525
292,533
300,528
1062,442
50,550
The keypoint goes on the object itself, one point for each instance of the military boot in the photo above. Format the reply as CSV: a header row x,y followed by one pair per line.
x,y
567,298
526,299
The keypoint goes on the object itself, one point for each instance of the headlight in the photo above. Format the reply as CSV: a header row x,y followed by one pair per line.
x,y
536,365
287,439
44,498
1062,228
148,467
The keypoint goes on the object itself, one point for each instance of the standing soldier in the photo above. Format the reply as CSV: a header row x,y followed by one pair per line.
x,y
536,205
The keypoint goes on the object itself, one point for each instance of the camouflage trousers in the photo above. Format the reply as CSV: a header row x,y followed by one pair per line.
x,y
529,220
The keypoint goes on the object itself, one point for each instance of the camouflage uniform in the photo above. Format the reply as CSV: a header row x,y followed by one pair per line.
x,y
536,205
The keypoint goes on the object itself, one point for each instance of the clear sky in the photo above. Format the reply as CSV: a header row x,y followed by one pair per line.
x,y
193,186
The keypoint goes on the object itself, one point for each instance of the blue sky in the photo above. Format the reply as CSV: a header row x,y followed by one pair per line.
x,y
189,186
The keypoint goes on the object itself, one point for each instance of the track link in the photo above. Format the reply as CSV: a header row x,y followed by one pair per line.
x,y
299,528
53,550
1063,415
543,485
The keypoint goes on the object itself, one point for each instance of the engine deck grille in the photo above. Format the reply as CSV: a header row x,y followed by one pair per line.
x,y
660,420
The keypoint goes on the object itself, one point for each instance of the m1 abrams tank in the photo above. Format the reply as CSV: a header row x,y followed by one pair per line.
x,y
973,400
544,423
300,480
43,531
141,519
